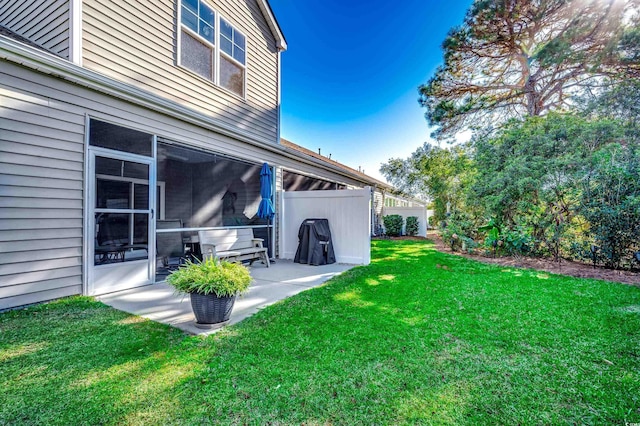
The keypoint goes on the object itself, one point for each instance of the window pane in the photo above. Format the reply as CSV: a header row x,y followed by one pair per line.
x,y
238,55
196,56
141,196
226,45
111,194
238,39
191,5
206,14
121,168
231,76
189,19
226,29
111,136
206,31
121,237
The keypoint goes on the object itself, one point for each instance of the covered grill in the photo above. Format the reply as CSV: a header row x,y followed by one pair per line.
x,y
315,246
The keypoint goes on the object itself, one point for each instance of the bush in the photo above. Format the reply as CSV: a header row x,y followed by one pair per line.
x,y
611,203
460,231
432,221
412,225
516,241
393,225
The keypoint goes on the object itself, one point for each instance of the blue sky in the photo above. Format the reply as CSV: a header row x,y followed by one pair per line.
x,y
351,73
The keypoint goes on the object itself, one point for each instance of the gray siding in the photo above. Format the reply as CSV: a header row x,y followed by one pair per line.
x,y
42,125
44,22
41,175
136,42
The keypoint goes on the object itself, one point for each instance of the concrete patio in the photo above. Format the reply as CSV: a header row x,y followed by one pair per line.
x,y
159,302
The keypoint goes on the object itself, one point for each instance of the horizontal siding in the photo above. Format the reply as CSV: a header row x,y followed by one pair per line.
x,y
19,235
26,245
40,203
41,169
44,22
39,265
39,276
39,286
39,296
135,42
41,192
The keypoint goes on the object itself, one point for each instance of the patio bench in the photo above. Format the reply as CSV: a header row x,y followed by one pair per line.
x,y
233,245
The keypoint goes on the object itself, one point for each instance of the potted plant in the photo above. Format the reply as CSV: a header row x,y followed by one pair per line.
x,y
212,286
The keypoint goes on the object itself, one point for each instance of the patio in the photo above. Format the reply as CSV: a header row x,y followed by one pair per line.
x,y
160,303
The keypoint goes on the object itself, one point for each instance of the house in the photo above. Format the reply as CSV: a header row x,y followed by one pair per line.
x,y
125,127
385,199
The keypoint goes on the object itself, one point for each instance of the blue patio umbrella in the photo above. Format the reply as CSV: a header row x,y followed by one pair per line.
x,y
265,210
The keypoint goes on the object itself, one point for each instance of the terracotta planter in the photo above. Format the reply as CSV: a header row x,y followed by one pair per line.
x,y
210,310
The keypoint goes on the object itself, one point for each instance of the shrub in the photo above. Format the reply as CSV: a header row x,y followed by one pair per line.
x,y
393,225
459,229
611,203
432,221
412,225
516,241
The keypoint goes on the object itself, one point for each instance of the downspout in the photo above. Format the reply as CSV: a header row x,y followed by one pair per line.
x,y
279,60
277,225
75,32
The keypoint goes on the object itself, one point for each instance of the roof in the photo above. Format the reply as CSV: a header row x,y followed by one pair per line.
x,y
349,170
17,37
274,26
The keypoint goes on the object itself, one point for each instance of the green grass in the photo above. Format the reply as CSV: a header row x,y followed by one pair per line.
x,y
417,337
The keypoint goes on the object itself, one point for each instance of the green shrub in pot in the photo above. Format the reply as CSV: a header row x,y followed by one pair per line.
x,y
212,286
211,276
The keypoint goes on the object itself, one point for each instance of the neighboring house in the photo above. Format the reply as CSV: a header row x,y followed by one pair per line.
x,y
385,199
126,126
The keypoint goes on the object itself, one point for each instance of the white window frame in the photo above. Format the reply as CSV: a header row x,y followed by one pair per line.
x,y
231,58
216,50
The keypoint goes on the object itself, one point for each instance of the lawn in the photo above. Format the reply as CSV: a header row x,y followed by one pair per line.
x,y
417,337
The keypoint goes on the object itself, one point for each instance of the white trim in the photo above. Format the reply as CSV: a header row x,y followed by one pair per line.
x,y
86,223
75,31
153,183
90,209
231,58
279,106
281,43
216,51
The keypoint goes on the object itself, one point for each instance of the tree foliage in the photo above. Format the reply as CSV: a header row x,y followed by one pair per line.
x,y
611,201
440,174
528,176
620,102
517,58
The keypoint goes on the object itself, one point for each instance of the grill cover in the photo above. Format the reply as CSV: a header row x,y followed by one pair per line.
x,y
315,246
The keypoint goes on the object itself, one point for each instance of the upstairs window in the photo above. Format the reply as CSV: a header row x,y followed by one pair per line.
x,y
204,36
232,58
197,46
